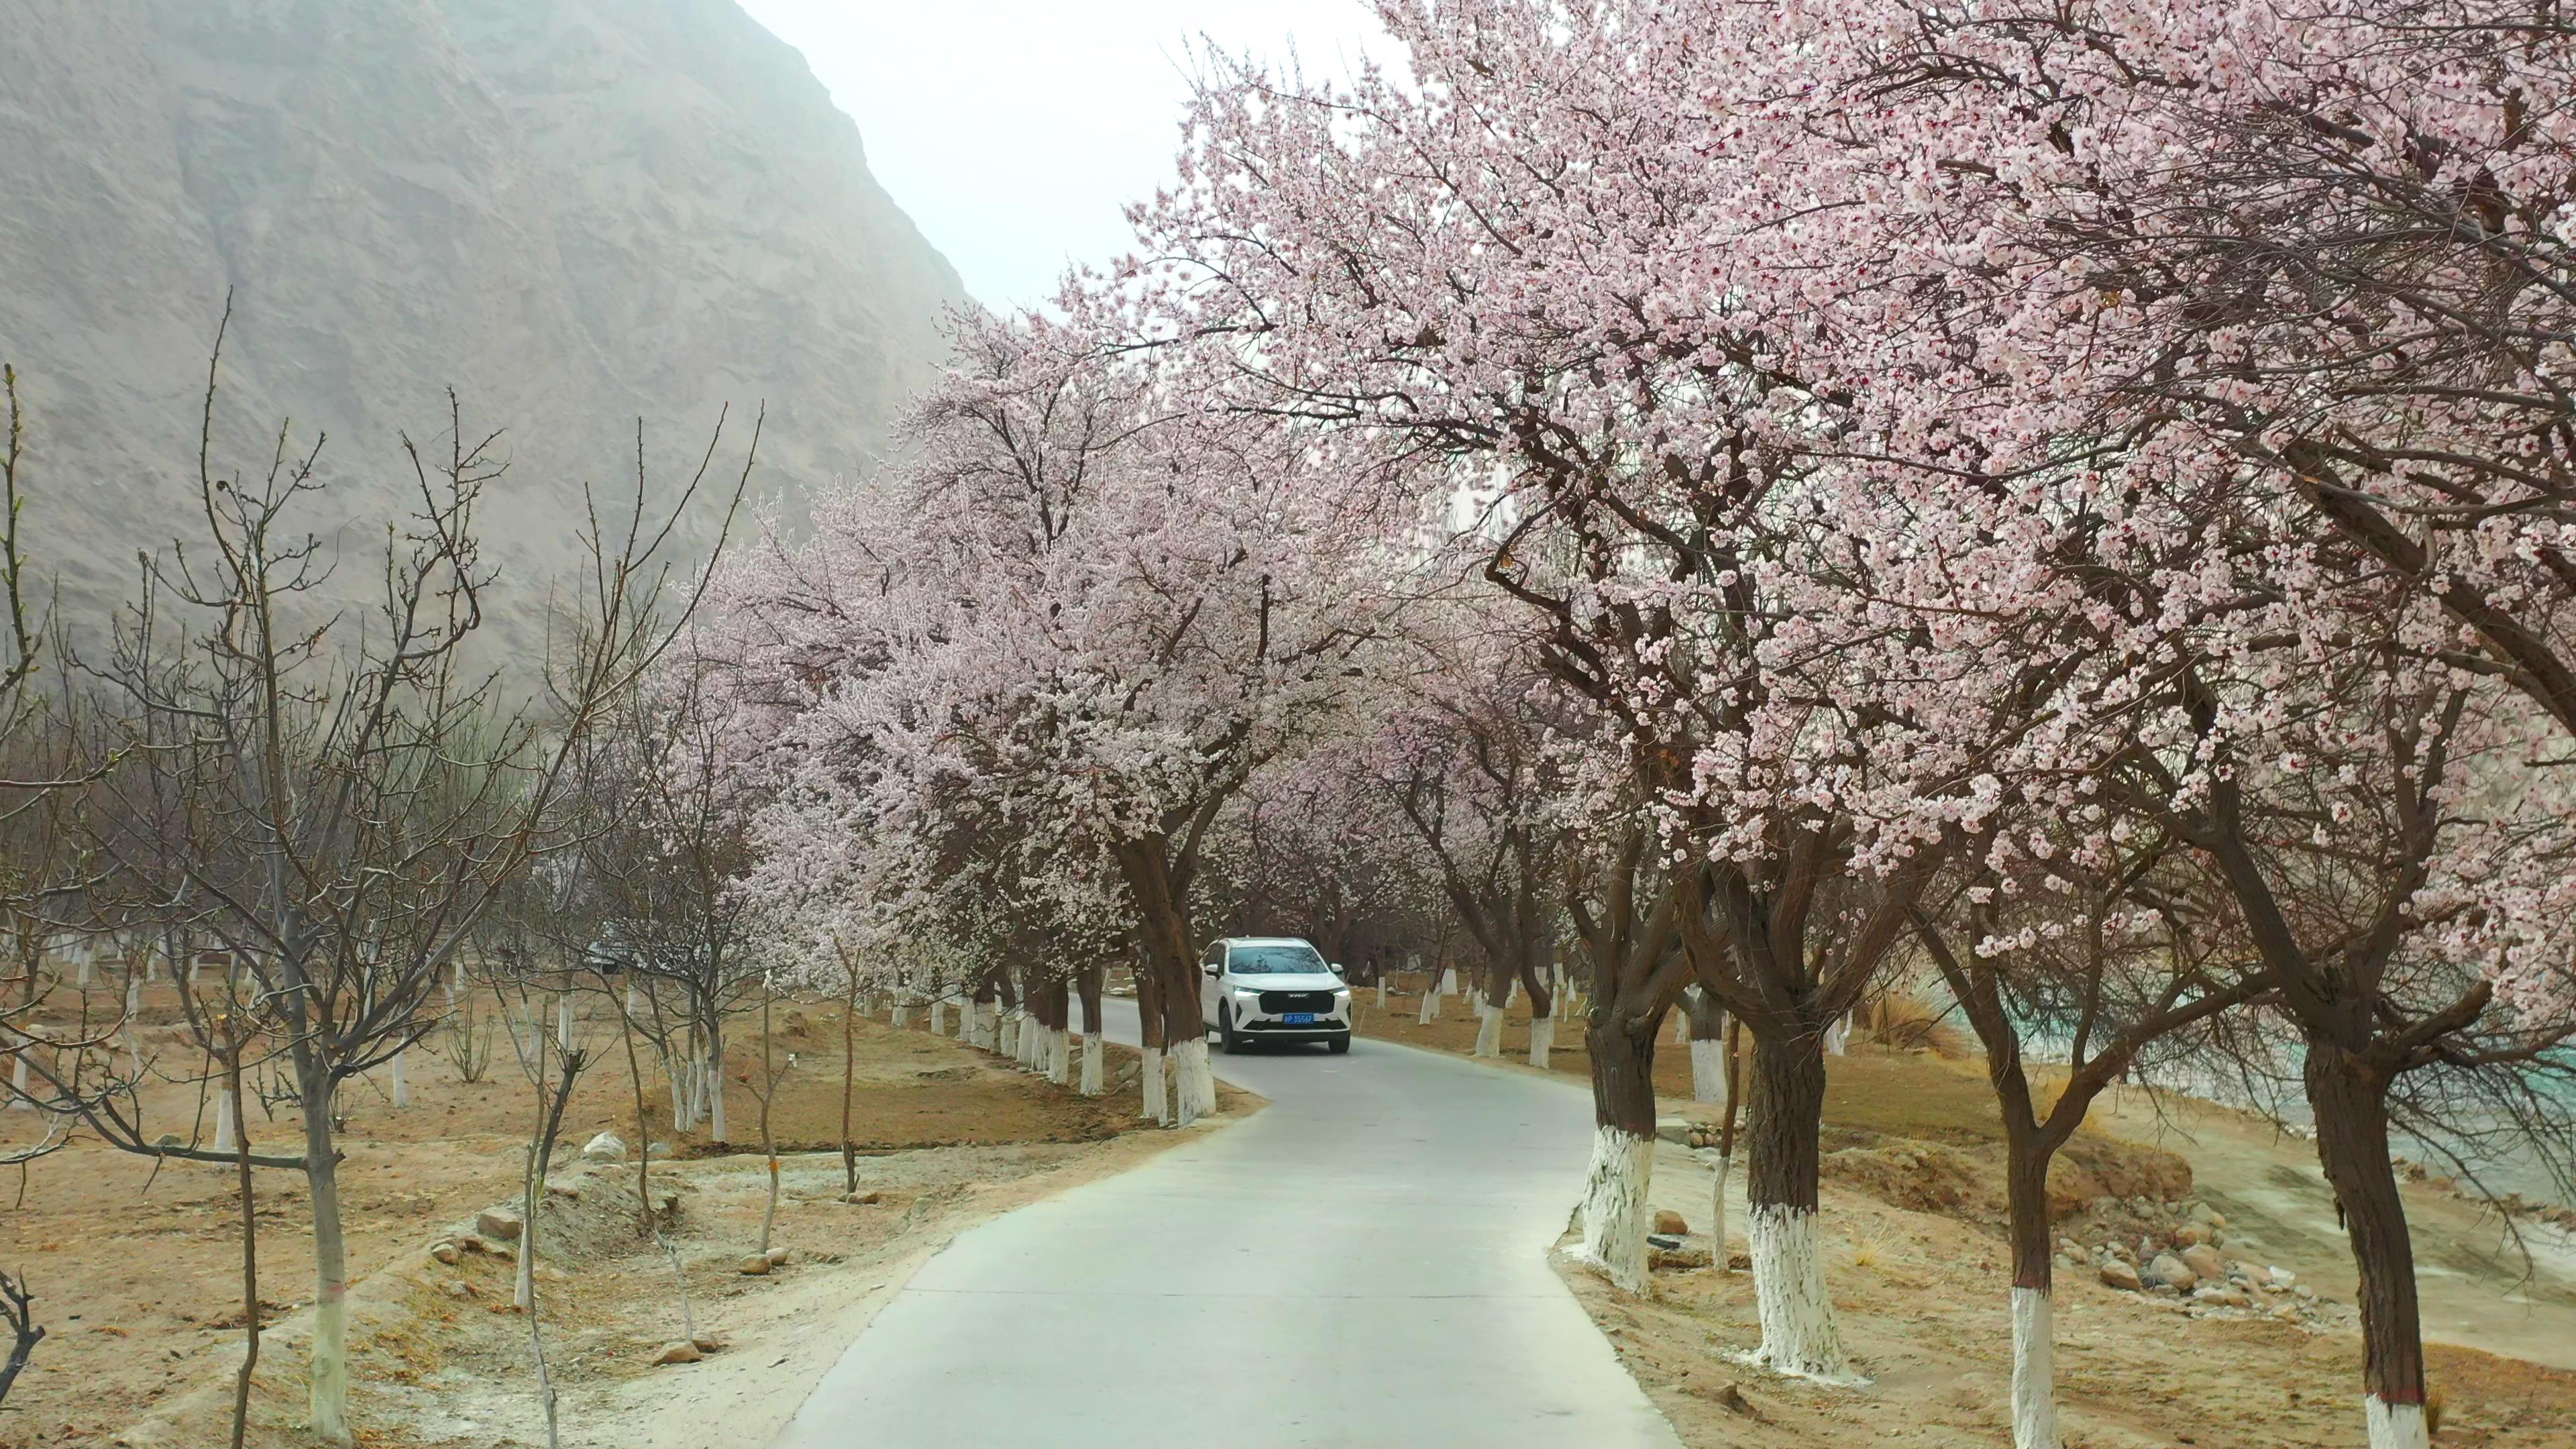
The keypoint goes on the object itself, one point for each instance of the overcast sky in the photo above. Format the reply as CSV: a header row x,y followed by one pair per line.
x,y
1012,131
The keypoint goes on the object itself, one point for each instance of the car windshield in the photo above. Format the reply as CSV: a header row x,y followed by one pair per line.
x,y
1274,961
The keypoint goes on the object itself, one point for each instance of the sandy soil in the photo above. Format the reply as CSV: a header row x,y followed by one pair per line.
x,y
1915,1255
138,1272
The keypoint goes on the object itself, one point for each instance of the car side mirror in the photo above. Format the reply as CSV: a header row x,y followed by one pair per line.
x,y
1209,967
1337,968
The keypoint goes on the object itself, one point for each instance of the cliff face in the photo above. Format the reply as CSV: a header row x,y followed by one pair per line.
x,y
575,212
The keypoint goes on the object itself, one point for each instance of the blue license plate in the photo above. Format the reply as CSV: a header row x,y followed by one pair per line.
x,y
1299,1018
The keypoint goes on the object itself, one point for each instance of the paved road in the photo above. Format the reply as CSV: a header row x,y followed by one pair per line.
x,y
1361,1264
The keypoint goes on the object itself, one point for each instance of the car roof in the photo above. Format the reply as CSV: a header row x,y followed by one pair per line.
x,y
1269,941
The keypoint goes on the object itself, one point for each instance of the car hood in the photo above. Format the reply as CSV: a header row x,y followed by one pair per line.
x,y
1311,981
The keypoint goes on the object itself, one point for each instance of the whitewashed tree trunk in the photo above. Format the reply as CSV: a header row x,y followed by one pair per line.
x,y
634,999
1156,1100
18,1101
84,962
1799,1335
134,990
1060,1056
2395,1426
1449,982
1091,1086
1512,994
715,1094
902,1013
1614,1206
327,1402
1708,1070
1489,1030
193,964
1542,1039
2034,1375
1430,1011
563,1022
402,1083
1196,1088
225,1126
1010,1029
938,1017
1381,992
1838,1036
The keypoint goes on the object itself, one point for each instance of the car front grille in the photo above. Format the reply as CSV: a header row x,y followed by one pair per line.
x,y
1318,1002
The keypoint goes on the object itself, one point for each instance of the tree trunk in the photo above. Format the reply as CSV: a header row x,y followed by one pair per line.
x,y
1091,1054
715,1081
1615,1215
250,1250
329,1387
1800,1336
1164,930
2349,1099
1707,1046
1149,1028
2034,1375
402,1082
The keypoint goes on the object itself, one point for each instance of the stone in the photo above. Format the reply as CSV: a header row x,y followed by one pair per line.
x,y
2070,1247
2192,1235
2163,1290
2116,1274
863,1199
1675,1130
606,1147
1663,1240
565,1190
2222,1296
2282,1277
458,1288
678,1350
445,1252
777,1257
2171,1272
2204,1262
755,1266
2254,1274
1668,1221
657,1149
498,1225
710,1342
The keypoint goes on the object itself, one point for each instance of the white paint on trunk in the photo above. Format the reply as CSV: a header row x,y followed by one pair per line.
x,y
525,1293
1196,1089
2034,1375
1009,1045
83,982
1059,1056
1542,1040
902,1013
1449,982
1489,1029
225,1127
563,1022
680,1119
1430,1009
402,1082
634,999
1091,1064
1381,993
938,1017
134,990
1614,1206
18,1084
715,1099
327,1395
1708,1071
1155,1097
1800,1337
2395,1426
1837,1036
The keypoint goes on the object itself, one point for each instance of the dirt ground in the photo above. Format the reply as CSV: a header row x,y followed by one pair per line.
x,y
138,1272
1916,1261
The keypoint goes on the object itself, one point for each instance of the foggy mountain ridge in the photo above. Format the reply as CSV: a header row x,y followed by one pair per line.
x,y
575,212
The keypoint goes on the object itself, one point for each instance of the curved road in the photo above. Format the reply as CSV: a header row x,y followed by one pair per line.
x,y
1360,1264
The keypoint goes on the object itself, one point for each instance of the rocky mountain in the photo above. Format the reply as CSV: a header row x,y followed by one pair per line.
x,y
577,213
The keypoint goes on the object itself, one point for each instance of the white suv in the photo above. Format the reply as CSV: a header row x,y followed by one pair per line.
x,y
1272,988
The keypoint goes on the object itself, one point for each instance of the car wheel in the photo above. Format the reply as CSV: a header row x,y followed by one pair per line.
x,y
1341,1044
1225,1038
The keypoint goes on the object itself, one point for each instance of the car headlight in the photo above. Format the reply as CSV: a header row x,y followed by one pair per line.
x,y
1247,1001
1341,998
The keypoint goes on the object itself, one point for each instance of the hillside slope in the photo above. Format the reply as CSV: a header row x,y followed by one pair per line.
x,y
577,213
